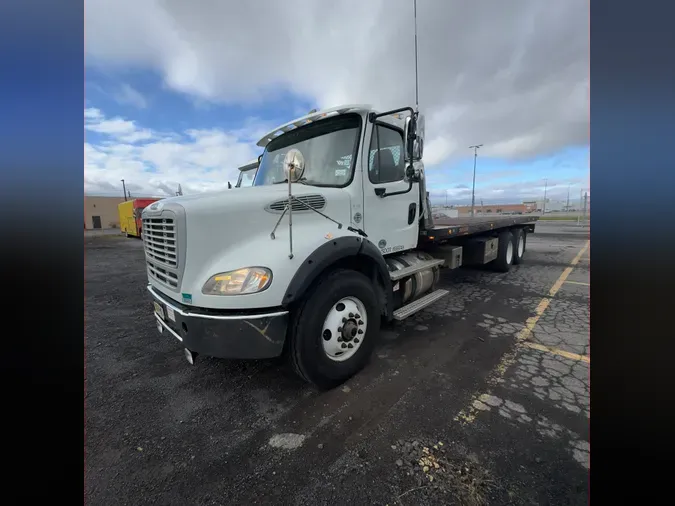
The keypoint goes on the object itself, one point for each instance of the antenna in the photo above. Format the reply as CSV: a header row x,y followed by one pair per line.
x,y
417,98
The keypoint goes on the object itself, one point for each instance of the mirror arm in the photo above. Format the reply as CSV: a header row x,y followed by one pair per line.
x,y
410,174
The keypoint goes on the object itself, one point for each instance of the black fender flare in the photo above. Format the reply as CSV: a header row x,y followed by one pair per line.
x,y
330,253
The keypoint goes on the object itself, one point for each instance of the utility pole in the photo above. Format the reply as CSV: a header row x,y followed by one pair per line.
x,y
124,191
473,189
543,207
481,207
585,204
446,197
567,207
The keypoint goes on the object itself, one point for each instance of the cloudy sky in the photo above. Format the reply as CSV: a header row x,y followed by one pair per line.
x,y
178,92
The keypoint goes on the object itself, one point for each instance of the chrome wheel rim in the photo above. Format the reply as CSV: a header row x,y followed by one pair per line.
x,y
344,329
509,252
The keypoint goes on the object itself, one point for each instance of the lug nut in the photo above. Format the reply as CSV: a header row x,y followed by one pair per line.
x,y
356,340
351,315
344,320
360,322
344,345
359,331
357,316
339,329
339,339
350,345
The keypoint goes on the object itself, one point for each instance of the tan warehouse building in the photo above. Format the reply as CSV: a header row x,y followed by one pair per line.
x,y
101,212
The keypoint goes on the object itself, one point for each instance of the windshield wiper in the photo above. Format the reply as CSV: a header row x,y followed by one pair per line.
x,y
302,180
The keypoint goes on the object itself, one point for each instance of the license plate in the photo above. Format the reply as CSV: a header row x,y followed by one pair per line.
x,y
171,313
159,310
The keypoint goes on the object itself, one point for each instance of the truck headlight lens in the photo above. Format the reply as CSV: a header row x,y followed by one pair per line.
x,y
241,281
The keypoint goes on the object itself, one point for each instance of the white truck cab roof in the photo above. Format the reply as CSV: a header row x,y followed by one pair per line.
x,y
323,114
249,165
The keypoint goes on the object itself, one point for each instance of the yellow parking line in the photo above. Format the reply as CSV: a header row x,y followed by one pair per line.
x,y
578,283
541,307
468,415
557,351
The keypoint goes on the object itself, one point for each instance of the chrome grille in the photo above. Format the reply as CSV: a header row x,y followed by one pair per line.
x,y
159,237
314,201
165,276
161,249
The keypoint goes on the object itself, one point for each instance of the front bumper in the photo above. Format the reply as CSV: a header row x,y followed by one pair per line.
x,y
221,334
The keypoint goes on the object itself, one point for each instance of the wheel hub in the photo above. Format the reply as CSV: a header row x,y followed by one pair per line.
x,y
344,329
349,330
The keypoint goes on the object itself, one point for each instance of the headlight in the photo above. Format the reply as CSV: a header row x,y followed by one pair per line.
x,y
241,281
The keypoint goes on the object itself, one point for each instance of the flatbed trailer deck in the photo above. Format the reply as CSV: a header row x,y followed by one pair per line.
x,y
448,228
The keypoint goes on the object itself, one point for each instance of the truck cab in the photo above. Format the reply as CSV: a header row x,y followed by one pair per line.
x,y
247,173
308,261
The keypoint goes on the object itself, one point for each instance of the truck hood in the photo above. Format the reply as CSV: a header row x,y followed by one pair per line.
x,y
251,197
231,230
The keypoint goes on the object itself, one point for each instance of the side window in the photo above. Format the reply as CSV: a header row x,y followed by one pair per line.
x,y
386,162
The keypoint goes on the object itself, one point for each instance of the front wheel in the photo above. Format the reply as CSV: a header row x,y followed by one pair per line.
x,y
335,329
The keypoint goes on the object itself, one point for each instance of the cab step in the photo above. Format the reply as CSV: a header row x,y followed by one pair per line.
x,y
407,271
403,312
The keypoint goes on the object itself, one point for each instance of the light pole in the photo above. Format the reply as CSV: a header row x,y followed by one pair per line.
x,y
124,190
473,188
543,207
567,207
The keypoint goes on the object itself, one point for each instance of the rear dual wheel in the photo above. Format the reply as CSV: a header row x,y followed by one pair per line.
x,y
510,250
519,242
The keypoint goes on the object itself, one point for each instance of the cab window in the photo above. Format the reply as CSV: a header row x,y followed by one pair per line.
x,y
386,161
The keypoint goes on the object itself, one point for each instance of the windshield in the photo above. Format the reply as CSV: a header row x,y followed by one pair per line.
x,y
328,147
246,178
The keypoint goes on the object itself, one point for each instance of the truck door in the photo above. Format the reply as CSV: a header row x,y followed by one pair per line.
x,y
390,222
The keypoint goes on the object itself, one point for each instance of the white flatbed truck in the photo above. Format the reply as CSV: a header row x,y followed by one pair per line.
x,y
334,237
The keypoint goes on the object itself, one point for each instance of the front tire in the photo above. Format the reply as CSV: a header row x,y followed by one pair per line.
x,y
328,318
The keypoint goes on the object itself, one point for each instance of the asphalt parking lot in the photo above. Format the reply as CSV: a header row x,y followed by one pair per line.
x,y
482,398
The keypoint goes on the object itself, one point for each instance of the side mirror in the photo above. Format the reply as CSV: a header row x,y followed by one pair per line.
x,y
409,135
414,137
418,141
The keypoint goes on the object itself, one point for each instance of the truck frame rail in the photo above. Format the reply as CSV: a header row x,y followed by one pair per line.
x,y
449,228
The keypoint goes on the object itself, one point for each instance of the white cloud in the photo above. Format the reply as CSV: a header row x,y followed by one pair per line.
x,y
92,114
154,163
120,129
511,75
131,96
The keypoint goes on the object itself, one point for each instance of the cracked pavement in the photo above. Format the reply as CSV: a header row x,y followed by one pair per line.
x,y
504,420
